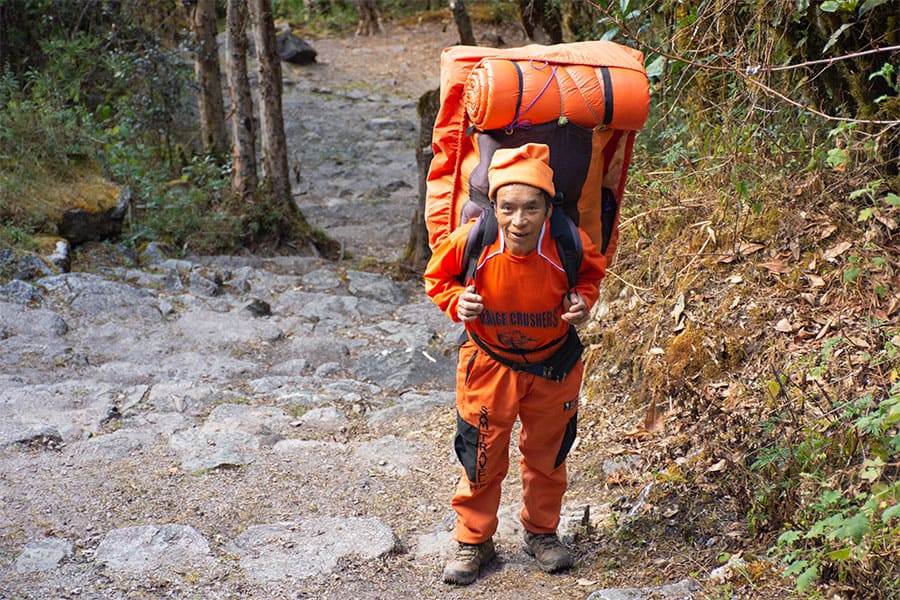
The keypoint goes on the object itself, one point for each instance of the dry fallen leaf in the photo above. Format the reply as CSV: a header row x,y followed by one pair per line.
x,y
679,307
858,342
735,279
777,265
815,281
719,466
885,220
836,250
617,478
826,232
652,419
784,326
670,512
635,434
747,248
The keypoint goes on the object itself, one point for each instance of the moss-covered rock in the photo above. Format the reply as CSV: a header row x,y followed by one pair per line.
x,y
91,208
82,207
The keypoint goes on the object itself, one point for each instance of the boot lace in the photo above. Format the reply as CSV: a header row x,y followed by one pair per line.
x,y
544,542
468,552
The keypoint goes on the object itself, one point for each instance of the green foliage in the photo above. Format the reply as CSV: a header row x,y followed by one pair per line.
x,y
119,109
320,17
38,130
18,237
185,210
41,137
834,482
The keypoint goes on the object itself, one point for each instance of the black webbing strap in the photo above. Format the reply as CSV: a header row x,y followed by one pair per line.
x,y
482,235
568,241
607,95
533,368
608,209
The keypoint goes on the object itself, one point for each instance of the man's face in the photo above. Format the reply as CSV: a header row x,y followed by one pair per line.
x,y
521,210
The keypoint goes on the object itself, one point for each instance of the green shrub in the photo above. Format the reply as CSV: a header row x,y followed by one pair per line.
x,y
834,481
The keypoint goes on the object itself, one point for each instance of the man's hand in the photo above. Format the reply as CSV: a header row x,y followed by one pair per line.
x,y
470,305
575,308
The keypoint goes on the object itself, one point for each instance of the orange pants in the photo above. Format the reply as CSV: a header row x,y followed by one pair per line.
x,y
489,397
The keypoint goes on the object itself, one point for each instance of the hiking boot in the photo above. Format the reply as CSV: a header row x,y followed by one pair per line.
x,y
469,559
549,552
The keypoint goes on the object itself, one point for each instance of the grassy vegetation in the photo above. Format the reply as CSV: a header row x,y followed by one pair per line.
x,y
752,309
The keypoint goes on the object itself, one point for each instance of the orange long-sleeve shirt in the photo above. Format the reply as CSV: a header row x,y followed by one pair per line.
x,y
522,295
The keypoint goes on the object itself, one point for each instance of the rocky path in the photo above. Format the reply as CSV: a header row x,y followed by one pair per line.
x,y
244,427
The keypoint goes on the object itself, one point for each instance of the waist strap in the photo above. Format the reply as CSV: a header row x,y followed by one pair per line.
x,y
555,368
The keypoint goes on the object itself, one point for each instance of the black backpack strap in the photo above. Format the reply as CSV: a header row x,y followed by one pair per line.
x,y
568,241
482,235
608,209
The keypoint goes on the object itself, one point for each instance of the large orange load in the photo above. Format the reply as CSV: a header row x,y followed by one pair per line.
x,y
586,100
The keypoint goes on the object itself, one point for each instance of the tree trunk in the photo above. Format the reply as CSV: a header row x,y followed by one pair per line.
x,y
209,82
369,18
243,129
463,24
578,18
417,250
274,146
543,13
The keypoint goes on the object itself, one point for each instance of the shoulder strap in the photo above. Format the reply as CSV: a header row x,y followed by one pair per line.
x,y
568,241
482,235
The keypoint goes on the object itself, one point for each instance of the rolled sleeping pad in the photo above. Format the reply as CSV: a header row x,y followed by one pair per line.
x,y
502,93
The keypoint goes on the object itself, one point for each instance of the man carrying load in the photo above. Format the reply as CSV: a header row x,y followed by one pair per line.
x,y
521,359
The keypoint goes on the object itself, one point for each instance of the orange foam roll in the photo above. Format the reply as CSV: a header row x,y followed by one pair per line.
x,y
501,93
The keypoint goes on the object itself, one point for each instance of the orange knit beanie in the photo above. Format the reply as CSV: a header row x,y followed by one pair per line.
x,y
529,164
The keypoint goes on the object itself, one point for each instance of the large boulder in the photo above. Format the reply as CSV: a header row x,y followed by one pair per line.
x,y
95,212
84,207
295,50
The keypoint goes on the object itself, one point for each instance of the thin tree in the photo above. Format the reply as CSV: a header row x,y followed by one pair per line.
x,y
277,183
543,13
369,18
209,83
417,250
463,23
243,129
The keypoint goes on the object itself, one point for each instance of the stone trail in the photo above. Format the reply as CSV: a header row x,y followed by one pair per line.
x,y
153,371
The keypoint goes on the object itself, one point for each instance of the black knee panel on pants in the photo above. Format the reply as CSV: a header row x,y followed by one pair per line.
x,y
466,445
568,440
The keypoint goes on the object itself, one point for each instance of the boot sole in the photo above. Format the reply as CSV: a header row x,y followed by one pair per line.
x,y
457,578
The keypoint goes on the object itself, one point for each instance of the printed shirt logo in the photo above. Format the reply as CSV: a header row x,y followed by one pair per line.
x,y
547,319
516,339
509,326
